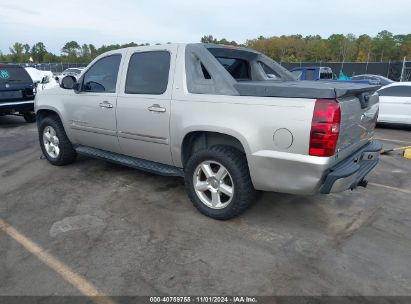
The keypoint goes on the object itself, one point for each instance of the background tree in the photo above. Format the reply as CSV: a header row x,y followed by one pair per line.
x,y
208,39
384,46
17,52
71,50
287,48
85,53
364,45
38,51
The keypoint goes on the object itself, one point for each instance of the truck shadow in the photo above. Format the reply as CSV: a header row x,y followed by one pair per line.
x,y
394,126
10,121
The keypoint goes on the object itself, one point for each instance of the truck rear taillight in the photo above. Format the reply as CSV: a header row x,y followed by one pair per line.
x,y
325,127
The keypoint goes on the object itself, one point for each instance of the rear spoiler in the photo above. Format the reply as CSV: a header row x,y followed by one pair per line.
x,y
304,89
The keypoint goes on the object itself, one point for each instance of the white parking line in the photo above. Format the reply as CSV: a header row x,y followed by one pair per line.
x,y
390,188
394,141
85,287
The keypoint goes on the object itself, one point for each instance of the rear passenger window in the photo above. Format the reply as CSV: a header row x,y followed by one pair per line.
x,y
12,73
148,73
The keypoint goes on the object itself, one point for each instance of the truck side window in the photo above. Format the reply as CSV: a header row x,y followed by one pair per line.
x,y
396,91
148,73
297,74
238,68
206,74
309,74
102,76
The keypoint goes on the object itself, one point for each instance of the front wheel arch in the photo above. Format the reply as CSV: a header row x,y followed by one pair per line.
x,y
43,113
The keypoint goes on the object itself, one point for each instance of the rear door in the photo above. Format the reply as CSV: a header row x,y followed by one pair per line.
x,y
143,107
395,104
92,111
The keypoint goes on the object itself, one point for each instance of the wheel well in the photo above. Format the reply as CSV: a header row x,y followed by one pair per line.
x,y
41,114
201,140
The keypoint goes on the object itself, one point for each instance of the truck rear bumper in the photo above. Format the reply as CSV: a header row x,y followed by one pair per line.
x,y
302,174
351,172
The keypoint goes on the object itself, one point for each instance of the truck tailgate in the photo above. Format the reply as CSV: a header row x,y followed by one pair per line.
x,y
357,121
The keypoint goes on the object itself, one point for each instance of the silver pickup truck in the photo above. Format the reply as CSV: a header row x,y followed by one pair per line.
x,y
229,120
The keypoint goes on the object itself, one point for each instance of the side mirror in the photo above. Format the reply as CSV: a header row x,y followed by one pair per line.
x,y
68,82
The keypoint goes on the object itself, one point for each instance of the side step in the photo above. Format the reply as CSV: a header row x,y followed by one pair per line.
x,y
132,162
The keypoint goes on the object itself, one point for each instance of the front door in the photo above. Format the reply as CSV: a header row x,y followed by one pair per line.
x,y
143,105
92,110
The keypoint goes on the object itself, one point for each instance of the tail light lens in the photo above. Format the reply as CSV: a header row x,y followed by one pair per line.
x,y
325,127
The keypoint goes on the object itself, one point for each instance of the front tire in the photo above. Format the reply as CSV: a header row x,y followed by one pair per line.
x,y
218,182
54,142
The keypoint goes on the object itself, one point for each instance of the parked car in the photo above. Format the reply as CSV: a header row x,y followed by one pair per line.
x,y
313,73
395,103
381,80
42,79
326,74
212,115
17,92
75,72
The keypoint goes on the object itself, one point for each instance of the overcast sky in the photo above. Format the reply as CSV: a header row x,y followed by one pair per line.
x,y
55,22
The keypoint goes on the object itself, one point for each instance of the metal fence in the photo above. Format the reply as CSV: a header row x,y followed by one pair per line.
x,y
392,70
54,67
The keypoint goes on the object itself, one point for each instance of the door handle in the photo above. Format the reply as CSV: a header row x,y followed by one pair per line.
x,y
156,108
105,105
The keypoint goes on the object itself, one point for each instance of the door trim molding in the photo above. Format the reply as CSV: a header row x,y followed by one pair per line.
x,y
93,130
143,137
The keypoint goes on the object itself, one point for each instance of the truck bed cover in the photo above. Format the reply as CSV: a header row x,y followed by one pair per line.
x,y
301,89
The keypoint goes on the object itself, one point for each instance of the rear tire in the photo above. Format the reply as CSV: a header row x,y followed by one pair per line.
x,y
224,192
54,142
29,117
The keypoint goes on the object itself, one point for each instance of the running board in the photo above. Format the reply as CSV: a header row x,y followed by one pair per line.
x,y
132,162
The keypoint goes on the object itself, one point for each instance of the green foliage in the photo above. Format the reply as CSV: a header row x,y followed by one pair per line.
x,y
38,52
71,52
211,39
338,47
17,52
294,48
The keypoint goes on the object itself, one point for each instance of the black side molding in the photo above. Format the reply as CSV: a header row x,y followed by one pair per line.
x,y
132,162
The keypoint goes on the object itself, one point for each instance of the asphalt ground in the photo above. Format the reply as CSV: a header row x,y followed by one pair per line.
x,y
98,228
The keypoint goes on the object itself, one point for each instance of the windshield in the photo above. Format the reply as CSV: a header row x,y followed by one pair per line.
x,y
13,74
385,79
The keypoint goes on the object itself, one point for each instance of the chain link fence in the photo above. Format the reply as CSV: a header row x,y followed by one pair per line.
x,y
56,68
391,70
